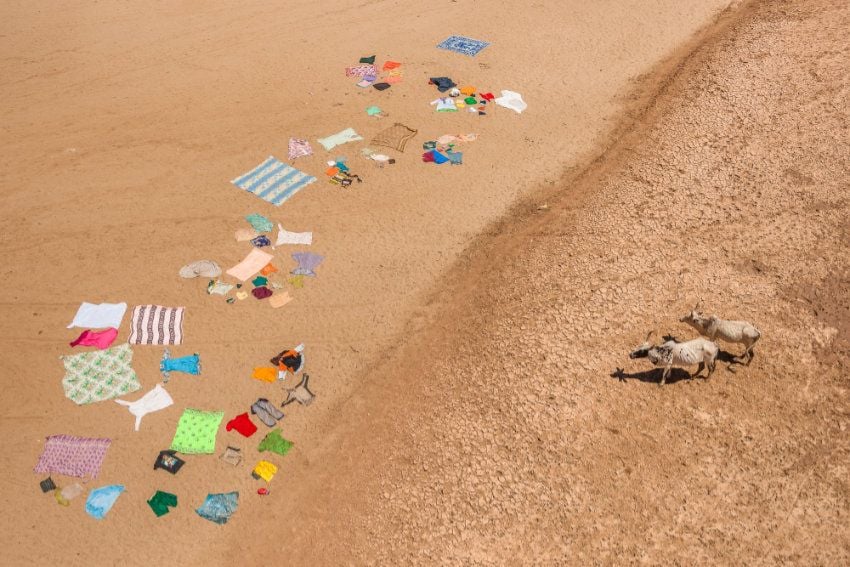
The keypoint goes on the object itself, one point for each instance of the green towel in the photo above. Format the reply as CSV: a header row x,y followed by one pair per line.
x,y
260,223
368,60
275,443
196,431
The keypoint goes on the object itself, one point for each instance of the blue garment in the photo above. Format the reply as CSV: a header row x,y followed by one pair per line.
x,y
439,158
101,499
261,241
219,507
188,364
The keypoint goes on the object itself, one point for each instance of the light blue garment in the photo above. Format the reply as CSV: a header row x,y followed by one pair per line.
x,y
307,263
188,364
219,507
101,499
259,222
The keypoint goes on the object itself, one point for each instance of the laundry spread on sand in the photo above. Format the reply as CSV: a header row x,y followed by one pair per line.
x,y
361,71
260,223
161,502
47,485
101,375
190,364
396,136
444,104
261,292
280,299
243,424
99,315
307,263
156,325
72,456
219,507
291,360
169,461
442,83
273,181
264,470
286,237
196,431
101,500
266,412
201,268
299,148
155,400
231,455
99,339
68,493
300,393
342,137
275,443
253,263
463,45
265,374
218,287
512,100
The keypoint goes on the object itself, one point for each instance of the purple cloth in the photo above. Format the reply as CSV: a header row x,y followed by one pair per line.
x,y
307,262
72,456
261,292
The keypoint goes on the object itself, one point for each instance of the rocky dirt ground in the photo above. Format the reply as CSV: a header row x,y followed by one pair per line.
x,y
517,431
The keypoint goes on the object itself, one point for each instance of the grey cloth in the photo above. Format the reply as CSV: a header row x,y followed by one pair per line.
x,y
266,412
203,268
307,262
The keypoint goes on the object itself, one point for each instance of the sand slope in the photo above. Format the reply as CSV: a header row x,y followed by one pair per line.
x,y
518,431
121,128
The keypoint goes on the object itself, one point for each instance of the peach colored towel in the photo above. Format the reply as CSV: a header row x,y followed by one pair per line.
x,y
280,299
253,263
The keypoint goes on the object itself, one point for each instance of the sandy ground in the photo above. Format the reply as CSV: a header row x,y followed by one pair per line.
x,y
517,431
123,125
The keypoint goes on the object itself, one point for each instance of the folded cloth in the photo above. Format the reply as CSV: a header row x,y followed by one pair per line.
x,y
264,470
243,424
512,100
219,507
218,287
231,455
246,234
259,222
261,241
369,60
261,292
161,501
342,137
99,339
196,431
396,136
154,400
100,500
259,281
299,148
463,45
361,71
307,263
253,263
203,268
264,374
268,269
390,65
99,316
280,299
286,237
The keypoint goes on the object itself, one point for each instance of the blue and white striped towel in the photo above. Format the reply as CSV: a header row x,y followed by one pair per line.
x,y
273,181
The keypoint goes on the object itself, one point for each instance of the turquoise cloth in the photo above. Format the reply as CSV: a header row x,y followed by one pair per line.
x,y
219,507
260,223
101,499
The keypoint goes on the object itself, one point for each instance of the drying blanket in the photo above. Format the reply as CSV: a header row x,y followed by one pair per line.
x,y
157,325
255,261
101,375
274,181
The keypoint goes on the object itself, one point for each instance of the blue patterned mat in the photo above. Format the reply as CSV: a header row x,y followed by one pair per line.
x,y
464,45
273,181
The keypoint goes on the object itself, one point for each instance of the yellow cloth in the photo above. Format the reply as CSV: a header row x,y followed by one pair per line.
x,y
265,470
266,374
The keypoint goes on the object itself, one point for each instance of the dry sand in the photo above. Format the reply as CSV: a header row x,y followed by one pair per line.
x,y
123,125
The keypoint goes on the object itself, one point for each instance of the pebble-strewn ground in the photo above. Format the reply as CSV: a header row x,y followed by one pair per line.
x,y
510,442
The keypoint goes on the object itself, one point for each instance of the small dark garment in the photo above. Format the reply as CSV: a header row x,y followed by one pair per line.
x,y
169,461
47,485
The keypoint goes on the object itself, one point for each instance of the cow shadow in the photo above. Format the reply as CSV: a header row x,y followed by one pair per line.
x,y
652,376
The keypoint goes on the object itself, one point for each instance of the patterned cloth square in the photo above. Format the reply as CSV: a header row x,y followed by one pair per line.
x,y
463,45
299,148
99,375
156,325
273,181
361,71
219,507
196,432
72,456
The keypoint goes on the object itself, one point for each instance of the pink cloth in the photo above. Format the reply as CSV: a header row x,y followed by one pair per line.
x,y
99,339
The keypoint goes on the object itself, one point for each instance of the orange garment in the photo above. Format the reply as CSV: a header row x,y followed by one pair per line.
x,y
391,65
265,373
331,171
269,269
468,91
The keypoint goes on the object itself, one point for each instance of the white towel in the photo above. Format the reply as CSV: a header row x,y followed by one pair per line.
x,y
154,400
99,315
343,137
286,237
512,100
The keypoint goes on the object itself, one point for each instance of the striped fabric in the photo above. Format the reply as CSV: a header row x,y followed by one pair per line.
x,y
273,181
156,325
